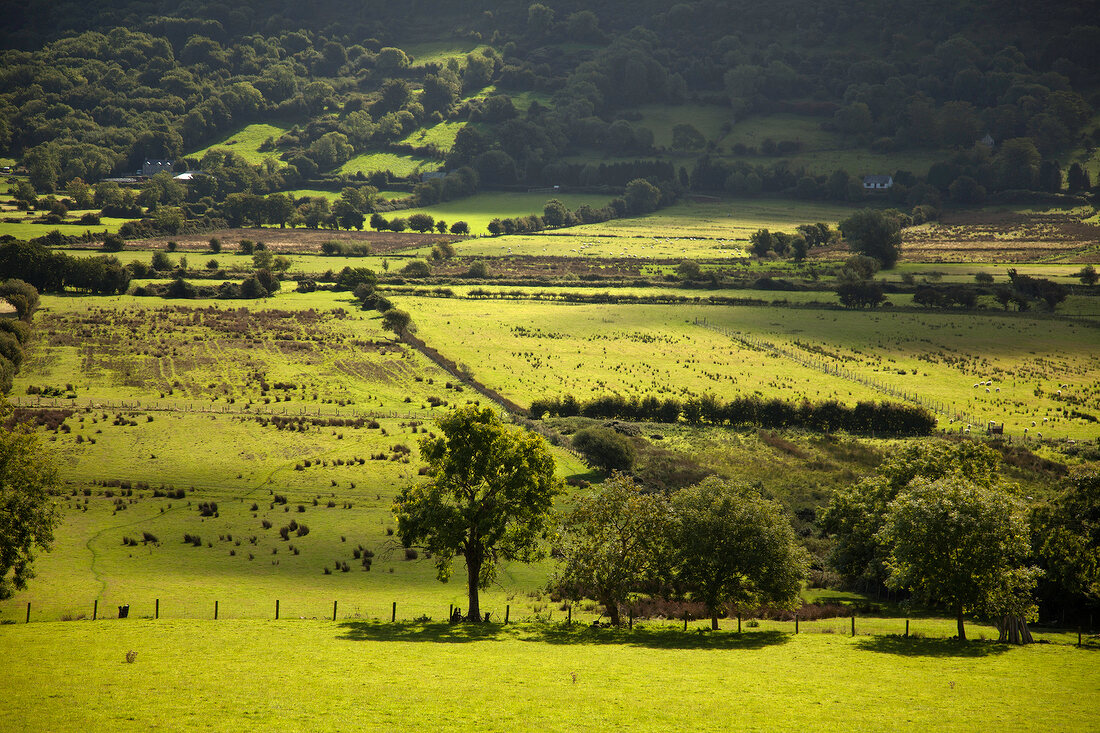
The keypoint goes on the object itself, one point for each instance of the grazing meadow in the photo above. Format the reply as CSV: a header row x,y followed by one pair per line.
x,y
370,676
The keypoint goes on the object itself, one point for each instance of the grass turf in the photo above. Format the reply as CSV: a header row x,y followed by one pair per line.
x,y
320,675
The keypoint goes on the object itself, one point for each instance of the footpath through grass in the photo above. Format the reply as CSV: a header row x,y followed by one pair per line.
x,y
358,675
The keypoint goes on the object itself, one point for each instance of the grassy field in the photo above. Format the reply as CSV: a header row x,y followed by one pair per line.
x,y
30,230
726,219
369,676
439,52
478,210
660,119
246,143
752,131
333,195
399,164
441,135
640,349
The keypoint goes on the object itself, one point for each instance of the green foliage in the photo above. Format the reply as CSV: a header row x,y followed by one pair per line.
x,y
855,515
605,449
612,544
27,512
731,545
961,544
398,321
21,295
488,497
874,234
1066,537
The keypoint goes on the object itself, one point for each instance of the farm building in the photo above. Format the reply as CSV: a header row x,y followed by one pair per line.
x,y
877,183
152,167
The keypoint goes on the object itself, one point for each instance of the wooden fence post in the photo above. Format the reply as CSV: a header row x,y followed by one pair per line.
x,y
738,623
29,616
507,612
156,611
334,610
393,614
906,628
570,619
853,624
276,609
95,609
796,623
685,621
215,610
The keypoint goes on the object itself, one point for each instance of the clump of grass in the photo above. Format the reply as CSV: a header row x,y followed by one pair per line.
x,y
193,539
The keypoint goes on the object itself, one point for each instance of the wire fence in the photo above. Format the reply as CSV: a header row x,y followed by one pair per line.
x,y
556,613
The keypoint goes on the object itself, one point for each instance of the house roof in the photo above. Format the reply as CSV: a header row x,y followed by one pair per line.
x,y
879,180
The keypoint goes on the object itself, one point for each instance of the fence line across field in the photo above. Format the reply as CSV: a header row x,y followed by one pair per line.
x,y
936,406
906,627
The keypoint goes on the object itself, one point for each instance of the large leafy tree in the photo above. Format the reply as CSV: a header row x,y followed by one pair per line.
x,y
488,497
27,513
732,545
611,544
956,543
856,513
1066,539
874,234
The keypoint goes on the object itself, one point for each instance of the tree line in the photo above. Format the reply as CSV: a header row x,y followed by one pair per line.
x,y
880,418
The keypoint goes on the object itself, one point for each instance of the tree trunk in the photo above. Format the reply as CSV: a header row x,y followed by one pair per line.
x,y
613,612
473,570
714,620
962,629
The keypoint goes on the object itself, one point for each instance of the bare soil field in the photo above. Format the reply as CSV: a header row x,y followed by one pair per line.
x,y
1004,236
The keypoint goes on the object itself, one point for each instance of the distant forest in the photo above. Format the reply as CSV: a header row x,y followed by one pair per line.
x,y
88,90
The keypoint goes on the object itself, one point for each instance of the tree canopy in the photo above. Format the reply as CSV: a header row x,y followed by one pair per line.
x,y
731,545
488,497
27,512
958,543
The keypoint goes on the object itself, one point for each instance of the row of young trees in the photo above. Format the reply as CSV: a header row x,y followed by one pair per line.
x,y
882,418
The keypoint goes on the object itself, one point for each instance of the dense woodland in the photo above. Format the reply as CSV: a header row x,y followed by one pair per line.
x,y
86,93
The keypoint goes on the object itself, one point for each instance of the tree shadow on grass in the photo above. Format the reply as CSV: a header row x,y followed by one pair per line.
x,y
440,633
658,637
664,637
915,647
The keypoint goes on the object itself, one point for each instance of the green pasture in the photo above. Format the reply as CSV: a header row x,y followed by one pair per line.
x,y
154,349
375,676
1040,369
752,131
246,143
442,135
237,462
734,218
528,349
521,100
478,210
661,118
399,164
26,229
439,52
298,193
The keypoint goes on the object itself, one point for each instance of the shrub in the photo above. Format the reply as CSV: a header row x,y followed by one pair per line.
x,y
411,554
